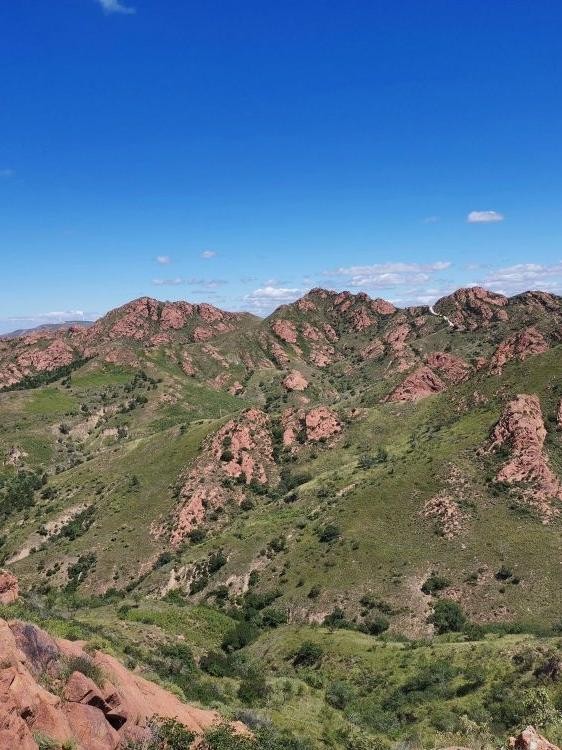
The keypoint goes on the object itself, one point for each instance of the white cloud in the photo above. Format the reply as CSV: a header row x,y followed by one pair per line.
x,y
115,6
164,260
388,275
180,280
5,173
524,276
431,220
267,297
484,217
208,254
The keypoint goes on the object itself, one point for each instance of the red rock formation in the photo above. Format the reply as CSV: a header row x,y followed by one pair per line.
x,y
444,507
521,428
452,368
285,330
360,319
373,350
97,717
314,425
321,423
419,384
530,739
382,307
295,381
473,308
445,510
9,588
241,450
322,354
521,345
311,333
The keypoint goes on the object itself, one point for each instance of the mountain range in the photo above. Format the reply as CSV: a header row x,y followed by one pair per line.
x,y
343,472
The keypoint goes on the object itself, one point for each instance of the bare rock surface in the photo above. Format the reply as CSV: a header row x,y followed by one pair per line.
x,y
241,451
9,588
100,716
521,345
521,429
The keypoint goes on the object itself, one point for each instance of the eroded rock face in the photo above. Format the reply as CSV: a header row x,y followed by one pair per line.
x,y
530,739
242,450
519,346
444,507
9,588
312,426
295,381
473,308
521,429
419,384
97,717
285,330
453,369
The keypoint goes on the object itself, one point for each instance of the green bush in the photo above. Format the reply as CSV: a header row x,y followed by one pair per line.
x,y
241,635
447,616
308,654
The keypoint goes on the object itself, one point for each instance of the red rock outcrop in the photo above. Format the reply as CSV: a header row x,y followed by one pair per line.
x,y
285,330
473,308
521,345
373,350
101,716
453,369
241,450
521,429
314,425
419,384
444,507
295,381
530,739
9,588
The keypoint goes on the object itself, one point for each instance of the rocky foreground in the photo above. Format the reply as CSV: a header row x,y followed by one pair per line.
x,y
46,695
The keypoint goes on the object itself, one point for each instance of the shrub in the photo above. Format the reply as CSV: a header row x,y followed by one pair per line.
x,y
339,694
241,635
308,654
329,533
504,573
377,625
85,666
447,616
253,688
216,664
434,583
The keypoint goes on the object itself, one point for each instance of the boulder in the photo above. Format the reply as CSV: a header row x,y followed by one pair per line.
x,y
9,588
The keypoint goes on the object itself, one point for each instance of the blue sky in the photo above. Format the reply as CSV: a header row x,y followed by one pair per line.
x,y
242,152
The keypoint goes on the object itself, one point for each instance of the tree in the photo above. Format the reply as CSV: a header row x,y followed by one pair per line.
x,y
447,616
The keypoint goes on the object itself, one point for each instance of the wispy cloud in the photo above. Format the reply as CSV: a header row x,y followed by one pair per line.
x,y
164,260
267,297
484,217
181,281
524,276
431,220
115,6
208,254
388,275
5,173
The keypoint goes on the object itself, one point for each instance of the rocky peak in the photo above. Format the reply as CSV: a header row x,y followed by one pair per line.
x,y
472,308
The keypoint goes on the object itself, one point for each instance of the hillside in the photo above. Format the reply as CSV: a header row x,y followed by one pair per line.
x,y
343,472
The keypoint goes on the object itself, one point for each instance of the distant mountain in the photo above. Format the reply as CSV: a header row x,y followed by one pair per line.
x,y
47,327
